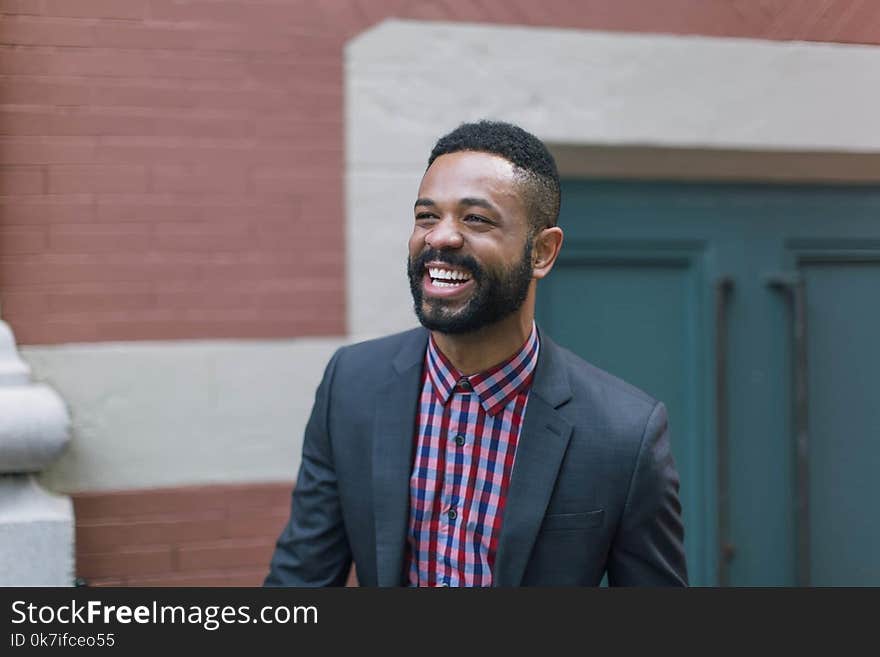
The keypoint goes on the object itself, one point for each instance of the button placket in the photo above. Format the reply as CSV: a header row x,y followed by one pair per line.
x,y
448,490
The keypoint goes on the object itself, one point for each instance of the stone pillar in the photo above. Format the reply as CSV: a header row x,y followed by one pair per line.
x,y
36,527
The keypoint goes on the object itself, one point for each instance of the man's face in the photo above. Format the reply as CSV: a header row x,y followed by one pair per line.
x,y
470,252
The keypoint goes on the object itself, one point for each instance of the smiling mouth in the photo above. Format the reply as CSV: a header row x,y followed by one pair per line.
x,y
449,278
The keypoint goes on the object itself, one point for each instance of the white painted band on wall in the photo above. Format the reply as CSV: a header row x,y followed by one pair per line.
x,y
153,414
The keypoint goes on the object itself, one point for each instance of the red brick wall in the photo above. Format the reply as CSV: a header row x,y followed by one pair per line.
x,y
196,536
173,168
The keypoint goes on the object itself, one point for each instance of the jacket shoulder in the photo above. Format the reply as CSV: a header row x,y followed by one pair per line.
x,y
602,400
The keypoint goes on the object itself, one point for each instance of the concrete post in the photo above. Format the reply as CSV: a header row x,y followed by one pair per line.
x,y
36,527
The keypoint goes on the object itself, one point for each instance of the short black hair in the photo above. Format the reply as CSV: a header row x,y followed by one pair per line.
x,y
532,162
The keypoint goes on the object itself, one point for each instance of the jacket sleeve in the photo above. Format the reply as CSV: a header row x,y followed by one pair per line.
x,y
313,549
648,548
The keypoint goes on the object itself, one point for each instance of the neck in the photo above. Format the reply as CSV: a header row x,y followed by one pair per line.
x,y
479,350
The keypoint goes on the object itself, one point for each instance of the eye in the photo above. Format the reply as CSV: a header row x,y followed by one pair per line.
x,y
423,216
477,218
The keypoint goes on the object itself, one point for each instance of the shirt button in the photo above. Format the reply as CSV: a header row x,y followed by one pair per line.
x,y
452,514
459,440
464,384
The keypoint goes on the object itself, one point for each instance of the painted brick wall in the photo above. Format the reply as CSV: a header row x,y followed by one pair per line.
x,y
192,536
200,536
173,168
170,170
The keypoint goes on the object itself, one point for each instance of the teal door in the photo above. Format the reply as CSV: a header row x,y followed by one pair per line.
x,y
753,312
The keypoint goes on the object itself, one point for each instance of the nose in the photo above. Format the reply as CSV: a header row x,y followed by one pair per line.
x,y
445,235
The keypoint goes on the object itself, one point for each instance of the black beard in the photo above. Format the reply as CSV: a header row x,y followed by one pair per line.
x,y
496,294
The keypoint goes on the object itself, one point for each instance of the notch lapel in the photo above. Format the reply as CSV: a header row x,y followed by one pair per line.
x,y
542,443
393,431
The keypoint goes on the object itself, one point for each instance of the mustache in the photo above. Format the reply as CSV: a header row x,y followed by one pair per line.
x,y
445,257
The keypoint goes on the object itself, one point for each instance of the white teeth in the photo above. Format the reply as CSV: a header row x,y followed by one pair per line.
x,y
447,274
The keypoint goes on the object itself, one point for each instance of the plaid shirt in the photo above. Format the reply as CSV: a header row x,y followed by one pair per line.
x,y
468,429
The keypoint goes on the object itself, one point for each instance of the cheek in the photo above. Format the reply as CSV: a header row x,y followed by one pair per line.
x,y
416,242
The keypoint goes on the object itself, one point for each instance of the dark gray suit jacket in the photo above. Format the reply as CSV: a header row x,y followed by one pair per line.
x,y
593,489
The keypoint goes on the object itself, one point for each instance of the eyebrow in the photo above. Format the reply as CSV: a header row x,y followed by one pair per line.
x,y
467,201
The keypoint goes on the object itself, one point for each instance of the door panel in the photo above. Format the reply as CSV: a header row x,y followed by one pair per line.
x,y
843,324
633,292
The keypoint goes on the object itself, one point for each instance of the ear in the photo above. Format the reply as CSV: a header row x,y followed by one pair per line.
x,y
547,245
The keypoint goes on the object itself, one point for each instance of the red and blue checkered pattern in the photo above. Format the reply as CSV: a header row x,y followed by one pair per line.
x,y
468,429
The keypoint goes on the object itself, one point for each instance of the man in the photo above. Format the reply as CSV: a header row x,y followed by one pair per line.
x,y
477,452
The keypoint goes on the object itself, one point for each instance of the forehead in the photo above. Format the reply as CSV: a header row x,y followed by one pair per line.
x,y
470,174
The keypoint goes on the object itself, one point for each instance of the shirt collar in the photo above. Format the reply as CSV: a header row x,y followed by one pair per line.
x,y
495,387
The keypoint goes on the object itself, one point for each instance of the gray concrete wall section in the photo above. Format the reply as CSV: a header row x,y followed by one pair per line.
x,y
408,82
